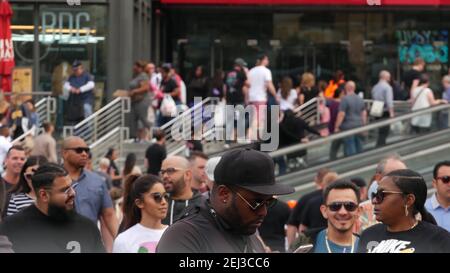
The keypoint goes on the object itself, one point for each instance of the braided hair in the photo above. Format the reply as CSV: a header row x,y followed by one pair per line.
x,y
411,182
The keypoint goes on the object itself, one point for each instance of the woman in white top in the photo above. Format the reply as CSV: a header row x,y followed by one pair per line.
x,y
145,205
422,97
287,95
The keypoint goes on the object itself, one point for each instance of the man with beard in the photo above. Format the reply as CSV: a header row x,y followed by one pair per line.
x,y
92,199
227,222
340,208
177,178
52,225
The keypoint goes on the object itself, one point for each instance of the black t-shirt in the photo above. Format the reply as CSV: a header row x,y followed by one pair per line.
x,y
168,86
202,230
235,81
272,229
155,155
309,93
312,217
409,77
113,166
295,218
424,238
31,231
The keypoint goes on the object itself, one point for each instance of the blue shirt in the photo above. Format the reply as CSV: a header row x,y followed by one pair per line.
x,y
81,80
92,195
440,214
321,246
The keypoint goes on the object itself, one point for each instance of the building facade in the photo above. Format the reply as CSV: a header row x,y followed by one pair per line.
x,y
360,37
106,35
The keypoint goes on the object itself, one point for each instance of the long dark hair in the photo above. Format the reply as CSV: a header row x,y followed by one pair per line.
x,y
22,185
130,162
135,188
410,182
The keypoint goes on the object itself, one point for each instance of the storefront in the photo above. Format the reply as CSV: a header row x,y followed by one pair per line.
x,y
361,37
106,35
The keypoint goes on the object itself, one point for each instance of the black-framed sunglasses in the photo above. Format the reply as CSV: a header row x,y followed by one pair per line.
x,y
258,204
445,179
380,195
349,206
79,150
157,196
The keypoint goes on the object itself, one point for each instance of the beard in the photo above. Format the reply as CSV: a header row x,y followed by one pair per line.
x,y
60,214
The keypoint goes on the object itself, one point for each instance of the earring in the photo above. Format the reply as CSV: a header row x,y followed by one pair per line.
x,y
406,210
224,201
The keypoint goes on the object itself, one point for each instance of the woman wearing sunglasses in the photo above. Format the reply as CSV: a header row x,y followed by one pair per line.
x,y
400,196
145,205
22,194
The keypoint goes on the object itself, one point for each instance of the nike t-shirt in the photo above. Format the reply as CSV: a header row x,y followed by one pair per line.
x,y
424,238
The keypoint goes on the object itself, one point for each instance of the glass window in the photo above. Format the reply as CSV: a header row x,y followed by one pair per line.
x,y
22,28
67,35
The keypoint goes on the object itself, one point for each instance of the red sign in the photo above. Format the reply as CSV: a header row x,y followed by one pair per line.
x,y
314,2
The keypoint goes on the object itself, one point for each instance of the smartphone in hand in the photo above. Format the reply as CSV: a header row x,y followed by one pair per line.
x,y
304,248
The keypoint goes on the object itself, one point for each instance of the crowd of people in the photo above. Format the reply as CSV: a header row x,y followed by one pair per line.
x,y
221,204
229,203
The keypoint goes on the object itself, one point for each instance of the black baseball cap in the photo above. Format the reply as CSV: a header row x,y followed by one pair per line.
x,y
76,63
251,170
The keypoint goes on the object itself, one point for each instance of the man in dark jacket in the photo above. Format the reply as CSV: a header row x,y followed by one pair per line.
x,y
227,222
177,178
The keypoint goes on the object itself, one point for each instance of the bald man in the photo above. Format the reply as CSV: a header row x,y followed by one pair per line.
x,y
177,178
382,92
352,114
92,197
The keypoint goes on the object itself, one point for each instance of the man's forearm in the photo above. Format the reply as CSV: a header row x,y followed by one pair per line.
x,y
111,221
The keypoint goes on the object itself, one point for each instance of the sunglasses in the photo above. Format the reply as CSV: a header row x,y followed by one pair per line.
x,y
444,179
258,204
158,197
380,195
80,150
349,206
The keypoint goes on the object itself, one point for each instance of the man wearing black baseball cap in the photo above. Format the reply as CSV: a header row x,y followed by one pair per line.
x,y
227,222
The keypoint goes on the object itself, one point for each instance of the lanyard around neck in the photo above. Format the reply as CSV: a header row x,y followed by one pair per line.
x,y
328,246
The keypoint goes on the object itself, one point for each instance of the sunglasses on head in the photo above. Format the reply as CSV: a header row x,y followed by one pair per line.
x,y
381,194
157,196
80,150
336,206
445,179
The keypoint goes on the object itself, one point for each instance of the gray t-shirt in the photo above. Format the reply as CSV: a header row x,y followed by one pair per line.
x,y
136,82
352,106
382,91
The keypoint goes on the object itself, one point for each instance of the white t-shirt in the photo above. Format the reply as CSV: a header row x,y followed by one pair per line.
x,y
421,102
288,103
258,77
138,239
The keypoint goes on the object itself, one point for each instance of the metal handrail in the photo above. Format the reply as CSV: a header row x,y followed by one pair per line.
x,y
44,108
185,113
101,123
114,138
171,144
359,130
19,139
354,173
